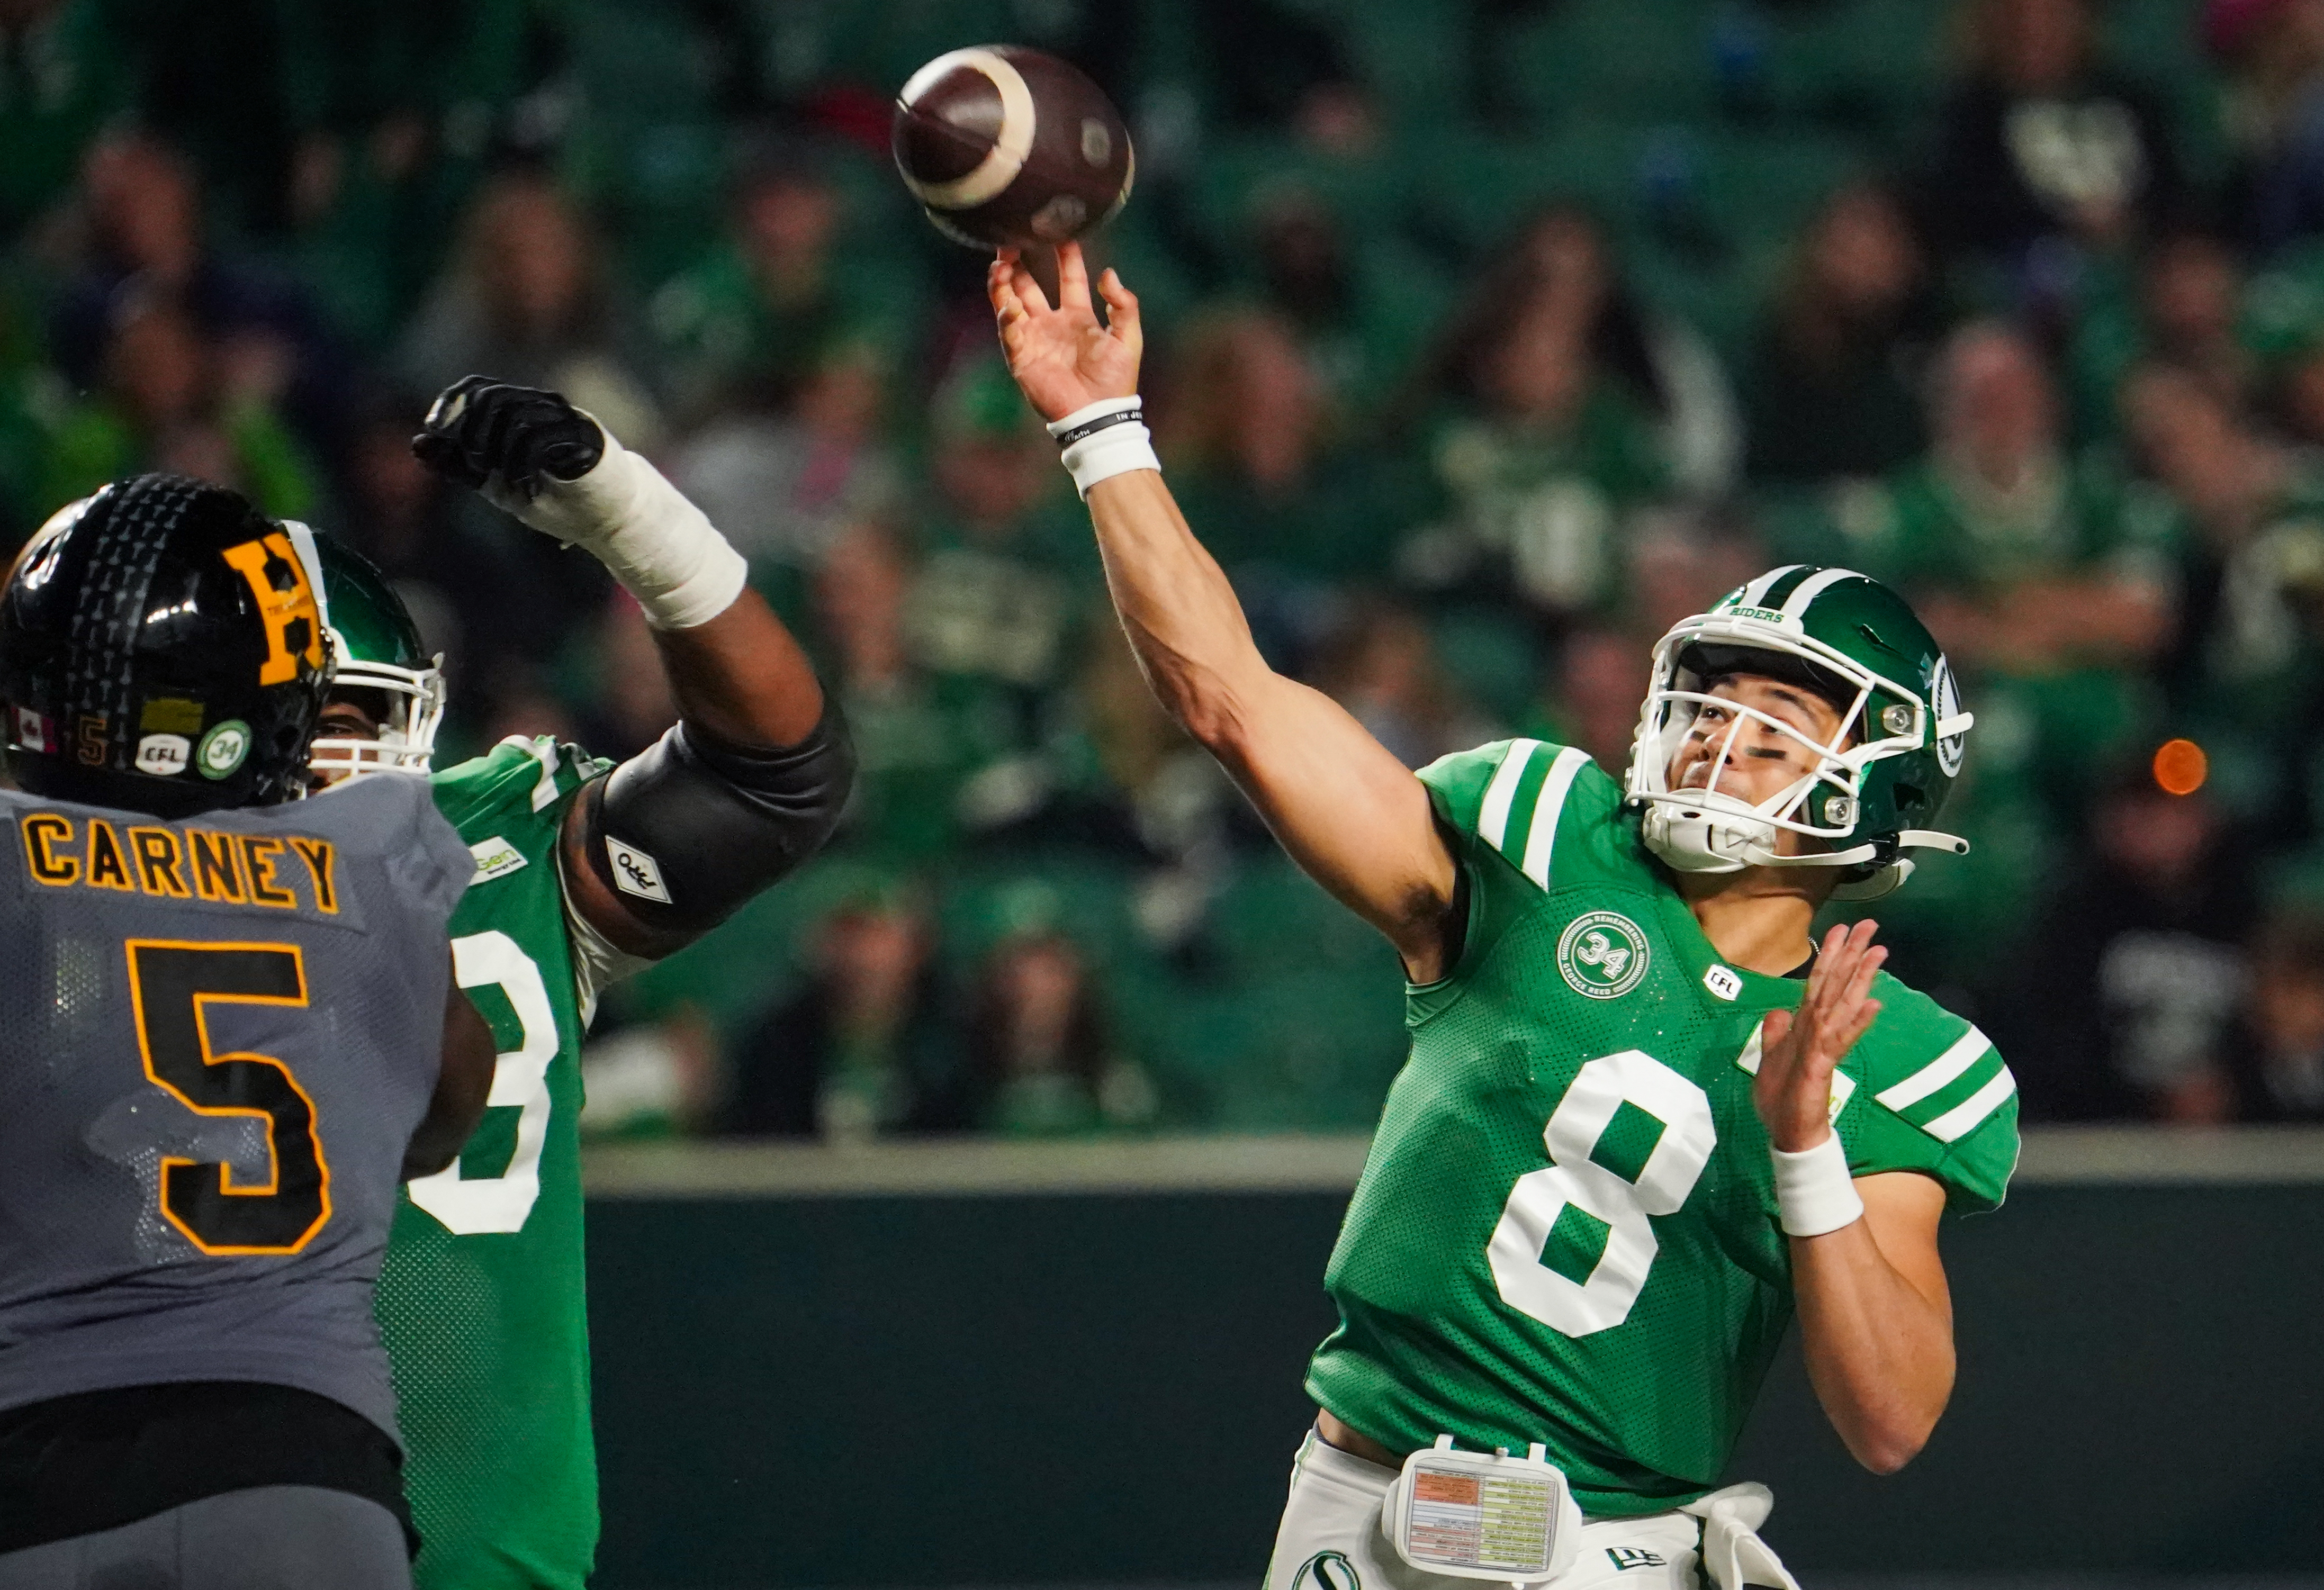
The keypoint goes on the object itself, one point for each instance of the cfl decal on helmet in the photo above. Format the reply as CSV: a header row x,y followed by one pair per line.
x,y
1861,795
163,755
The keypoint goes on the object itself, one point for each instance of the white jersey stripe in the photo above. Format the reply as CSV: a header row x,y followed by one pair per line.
x,y
1958,1121
1813,586
1542,840
1755,593
1951,1063
1493,816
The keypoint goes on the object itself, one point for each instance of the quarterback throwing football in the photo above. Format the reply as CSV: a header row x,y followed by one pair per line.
x,y
1646,1119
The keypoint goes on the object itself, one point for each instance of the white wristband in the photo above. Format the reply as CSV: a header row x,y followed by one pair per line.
x,y
661,548
1103,440
1815,1193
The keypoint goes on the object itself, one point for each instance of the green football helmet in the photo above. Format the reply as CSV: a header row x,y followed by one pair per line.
x,y
378,650
1887,771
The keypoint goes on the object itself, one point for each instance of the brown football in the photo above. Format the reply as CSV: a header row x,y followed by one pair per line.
x,y
1006,146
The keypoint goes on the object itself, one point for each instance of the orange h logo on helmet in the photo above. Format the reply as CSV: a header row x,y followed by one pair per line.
x,y
282,608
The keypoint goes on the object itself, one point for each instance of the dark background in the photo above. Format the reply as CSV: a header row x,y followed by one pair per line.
x,y
909,1390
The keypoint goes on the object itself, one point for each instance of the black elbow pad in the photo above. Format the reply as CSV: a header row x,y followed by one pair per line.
x,y
691,827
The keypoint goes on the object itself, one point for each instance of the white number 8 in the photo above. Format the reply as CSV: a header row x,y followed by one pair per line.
x,y
1601,1087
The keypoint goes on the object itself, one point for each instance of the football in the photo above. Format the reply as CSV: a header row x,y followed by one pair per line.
x,y
1010,147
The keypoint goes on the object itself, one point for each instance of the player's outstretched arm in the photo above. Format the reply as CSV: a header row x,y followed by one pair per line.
x,y
1348,812
1875,1315
750,781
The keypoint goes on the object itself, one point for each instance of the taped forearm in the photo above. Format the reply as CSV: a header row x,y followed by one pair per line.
x,y
661,548
689,829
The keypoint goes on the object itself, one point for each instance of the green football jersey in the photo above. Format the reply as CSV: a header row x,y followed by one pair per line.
x,y
1566,1231
481,1300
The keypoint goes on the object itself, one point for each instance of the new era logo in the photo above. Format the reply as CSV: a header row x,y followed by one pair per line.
x,y
1626,1557
635,872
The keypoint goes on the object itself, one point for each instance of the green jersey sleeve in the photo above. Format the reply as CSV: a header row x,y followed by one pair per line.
x,y
1933,1095
1538,806
519,776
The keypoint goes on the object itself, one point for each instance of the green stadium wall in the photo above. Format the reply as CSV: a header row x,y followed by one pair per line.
x,y
837,1385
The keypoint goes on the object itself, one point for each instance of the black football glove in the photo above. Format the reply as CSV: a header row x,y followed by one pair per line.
x,y
477,428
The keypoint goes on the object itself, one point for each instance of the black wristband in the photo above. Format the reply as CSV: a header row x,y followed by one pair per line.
x,y
1102,422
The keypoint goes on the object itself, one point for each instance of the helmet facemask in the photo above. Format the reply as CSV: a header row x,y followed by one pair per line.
x,y
413,700
1710,827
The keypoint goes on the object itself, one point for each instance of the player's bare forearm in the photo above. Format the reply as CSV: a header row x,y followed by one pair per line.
x,y
741,677
1875,1321
1183,618
1352,815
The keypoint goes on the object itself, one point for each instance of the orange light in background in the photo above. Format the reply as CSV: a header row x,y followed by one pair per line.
x,y
2181,766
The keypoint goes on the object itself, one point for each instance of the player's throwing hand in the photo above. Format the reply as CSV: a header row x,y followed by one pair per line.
x,y
1793,1092
1062,358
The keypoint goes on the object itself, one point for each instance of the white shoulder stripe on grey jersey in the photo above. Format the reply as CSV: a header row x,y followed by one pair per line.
x,y
1796,605
1493,815
1541,840
1951,1063
1963,1117
1755,593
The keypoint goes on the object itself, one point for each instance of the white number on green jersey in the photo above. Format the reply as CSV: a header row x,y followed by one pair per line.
x,y
1613,1204
471,1205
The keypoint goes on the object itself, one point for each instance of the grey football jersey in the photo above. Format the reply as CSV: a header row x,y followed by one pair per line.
x,y
217,1037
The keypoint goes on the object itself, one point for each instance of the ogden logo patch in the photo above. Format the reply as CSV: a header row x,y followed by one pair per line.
x,y
1327,1570
222,749
635,872
1602,955
496,857
164,754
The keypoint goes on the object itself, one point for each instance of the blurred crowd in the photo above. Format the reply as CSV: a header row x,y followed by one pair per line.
x,y
1488,337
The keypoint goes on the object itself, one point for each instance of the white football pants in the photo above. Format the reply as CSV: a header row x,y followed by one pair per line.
x,y
1330,1539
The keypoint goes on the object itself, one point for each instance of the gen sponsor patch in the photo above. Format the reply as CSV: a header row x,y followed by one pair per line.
x,y
496,857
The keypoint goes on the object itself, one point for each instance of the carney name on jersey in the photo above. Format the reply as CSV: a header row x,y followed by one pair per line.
x,y
1566,1231
482,1301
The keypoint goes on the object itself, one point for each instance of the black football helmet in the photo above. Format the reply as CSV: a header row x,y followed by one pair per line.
x,y
162,650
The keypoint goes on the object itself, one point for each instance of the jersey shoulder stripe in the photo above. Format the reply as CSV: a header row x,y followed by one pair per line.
x,y
1511,794
1952,1093
518,781
1936,1098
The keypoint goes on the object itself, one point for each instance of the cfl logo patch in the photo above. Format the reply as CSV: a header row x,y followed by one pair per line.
x,y
1626,1557
635,872
1723,982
